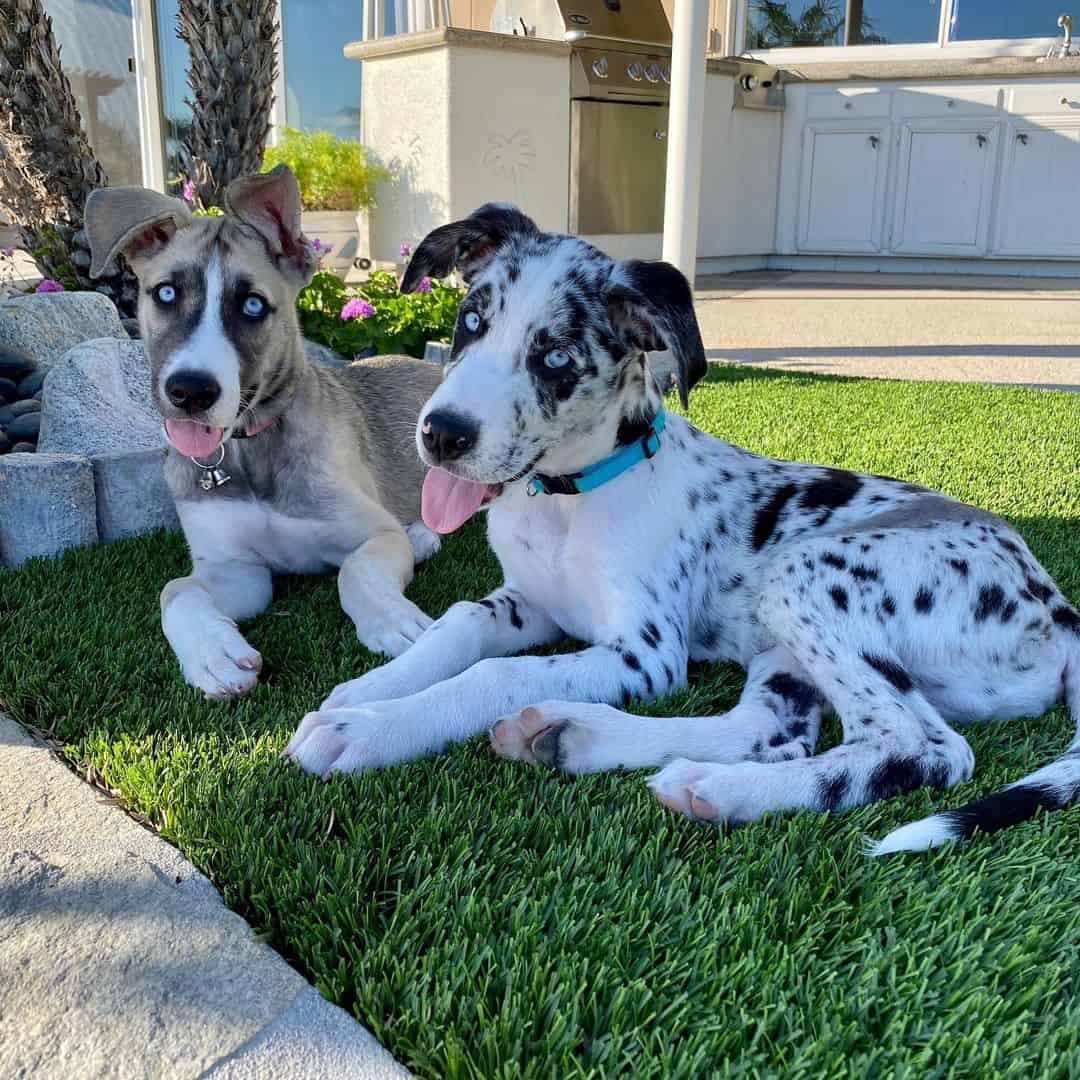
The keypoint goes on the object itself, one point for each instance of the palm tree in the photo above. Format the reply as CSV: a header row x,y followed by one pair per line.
x,y
233,49
822,23
49,167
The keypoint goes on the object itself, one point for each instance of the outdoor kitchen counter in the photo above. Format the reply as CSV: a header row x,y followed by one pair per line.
x,y
444,36
998,67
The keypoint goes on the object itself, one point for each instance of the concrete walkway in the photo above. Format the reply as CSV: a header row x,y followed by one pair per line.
x,y
905,326
118,959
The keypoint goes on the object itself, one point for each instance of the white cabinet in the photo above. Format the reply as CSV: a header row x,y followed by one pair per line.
x,y
980,169
842,201
1040,184
944,186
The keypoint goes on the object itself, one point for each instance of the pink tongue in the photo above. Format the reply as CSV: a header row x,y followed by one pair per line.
x,y
192,439
448,502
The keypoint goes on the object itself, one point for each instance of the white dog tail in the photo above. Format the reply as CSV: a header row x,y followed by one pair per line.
x,y
1049,788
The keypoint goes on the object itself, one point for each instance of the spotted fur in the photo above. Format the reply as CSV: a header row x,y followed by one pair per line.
x,y
904,611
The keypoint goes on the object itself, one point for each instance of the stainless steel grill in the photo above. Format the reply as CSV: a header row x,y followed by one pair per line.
x,y
620,78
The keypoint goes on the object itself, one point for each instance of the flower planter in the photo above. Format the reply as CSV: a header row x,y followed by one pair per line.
x,y
346,231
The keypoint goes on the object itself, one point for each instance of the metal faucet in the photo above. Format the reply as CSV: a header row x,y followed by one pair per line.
x,y
1065,46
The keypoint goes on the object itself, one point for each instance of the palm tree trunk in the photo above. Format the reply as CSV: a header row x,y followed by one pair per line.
x,y
233,49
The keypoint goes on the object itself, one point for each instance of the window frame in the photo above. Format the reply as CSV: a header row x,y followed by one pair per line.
x,y
940,49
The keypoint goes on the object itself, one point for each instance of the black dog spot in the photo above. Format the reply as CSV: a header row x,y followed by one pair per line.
x,y
836,561
960,566
891,670
766,518
1066,617
924,600
991,599
800,696
835,489
864,573
832,789
839,597
894,776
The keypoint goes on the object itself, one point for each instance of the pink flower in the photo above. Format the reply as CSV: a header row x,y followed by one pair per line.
x,y
357,308
188,191
8,252
406,251
48,285
425,285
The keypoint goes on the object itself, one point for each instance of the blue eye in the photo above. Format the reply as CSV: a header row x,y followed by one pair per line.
x,y
557,358
472,321
165,294
254,307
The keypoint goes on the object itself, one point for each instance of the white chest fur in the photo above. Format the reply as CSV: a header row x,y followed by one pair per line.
x,y
248,531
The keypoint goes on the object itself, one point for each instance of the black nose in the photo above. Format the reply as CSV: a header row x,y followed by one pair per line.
x,y
192,391
447,436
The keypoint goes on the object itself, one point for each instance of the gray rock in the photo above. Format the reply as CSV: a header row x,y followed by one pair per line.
x,y
5,443
25,428
46,325
23,448
6,415
437,352
132,496
98,400
131,326
29,386
15,364
47,505
20,408
320,354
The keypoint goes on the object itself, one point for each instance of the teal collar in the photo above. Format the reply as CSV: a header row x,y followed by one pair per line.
x,y
600,472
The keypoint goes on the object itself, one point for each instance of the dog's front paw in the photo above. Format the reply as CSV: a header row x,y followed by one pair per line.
x,y
393,629
347,740
220,662
576,737
707,792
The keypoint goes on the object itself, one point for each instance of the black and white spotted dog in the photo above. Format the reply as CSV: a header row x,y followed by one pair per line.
x,y
901,609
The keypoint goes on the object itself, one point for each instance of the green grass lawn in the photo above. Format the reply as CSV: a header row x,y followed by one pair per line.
x,y
486,919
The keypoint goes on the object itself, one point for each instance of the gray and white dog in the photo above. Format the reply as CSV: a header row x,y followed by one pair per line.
x,y
277,465
903,610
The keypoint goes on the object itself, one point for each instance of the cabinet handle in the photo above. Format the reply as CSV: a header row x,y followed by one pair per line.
x,y
1021,138
980,140
874,140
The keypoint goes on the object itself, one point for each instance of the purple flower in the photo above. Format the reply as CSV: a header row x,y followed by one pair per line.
x,y
48,285
8,252
357,308
319,247
188,191
406,251
425,285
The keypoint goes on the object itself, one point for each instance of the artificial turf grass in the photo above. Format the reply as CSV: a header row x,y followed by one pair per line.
x,y
486,919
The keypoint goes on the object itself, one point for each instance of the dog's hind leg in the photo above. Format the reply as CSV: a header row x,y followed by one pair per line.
x,y
777,718
198,616
371,583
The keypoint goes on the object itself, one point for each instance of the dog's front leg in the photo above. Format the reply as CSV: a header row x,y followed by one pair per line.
x,y
499,625
387,732
198,616
371,585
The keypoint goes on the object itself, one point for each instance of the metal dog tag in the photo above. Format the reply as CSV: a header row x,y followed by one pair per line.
x,y
213,475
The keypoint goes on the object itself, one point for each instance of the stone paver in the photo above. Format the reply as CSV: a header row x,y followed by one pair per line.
x,y
120,960
906,326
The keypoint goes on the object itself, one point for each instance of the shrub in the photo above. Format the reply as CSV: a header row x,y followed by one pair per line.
x,y
333,173
353,319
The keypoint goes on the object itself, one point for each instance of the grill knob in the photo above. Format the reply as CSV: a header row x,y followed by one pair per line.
x,y
665,74
652,73
600,67
635,71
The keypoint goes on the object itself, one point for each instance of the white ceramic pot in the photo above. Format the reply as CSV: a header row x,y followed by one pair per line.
x,y
346,231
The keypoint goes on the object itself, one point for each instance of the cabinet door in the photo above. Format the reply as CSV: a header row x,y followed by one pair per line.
x,y
1040,179
842,197
945,186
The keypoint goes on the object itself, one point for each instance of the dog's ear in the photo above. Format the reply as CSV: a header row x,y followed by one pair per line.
x,y
132,220
270,203
466,245
651,305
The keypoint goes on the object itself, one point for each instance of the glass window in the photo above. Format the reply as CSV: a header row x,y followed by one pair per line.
x,y
802,23
986,20
322,88
172,82
97,49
